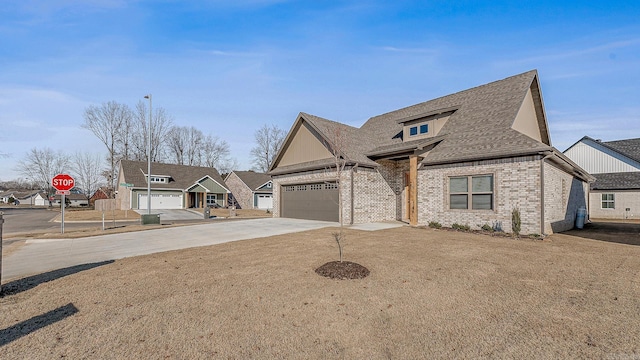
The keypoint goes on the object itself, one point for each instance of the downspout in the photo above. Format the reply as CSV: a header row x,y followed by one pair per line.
x,y
542,161
352,170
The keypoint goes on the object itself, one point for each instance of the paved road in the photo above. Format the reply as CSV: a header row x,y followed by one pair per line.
x,y
38,256
37,220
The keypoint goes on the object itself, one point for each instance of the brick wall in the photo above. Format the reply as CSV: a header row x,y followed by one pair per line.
x,y
375,198
517,183
241,192
563,195
623,200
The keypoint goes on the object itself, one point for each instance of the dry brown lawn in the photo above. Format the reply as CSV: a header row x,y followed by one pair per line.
x,y
95,215
430,294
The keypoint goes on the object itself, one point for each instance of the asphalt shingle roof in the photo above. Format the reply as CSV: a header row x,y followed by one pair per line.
x,y
629,148
480,127
182,176
253,179
617,181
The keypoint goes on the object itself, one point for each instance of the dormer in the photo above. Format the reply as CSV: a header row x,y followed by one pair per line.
x,y
425,125
159,179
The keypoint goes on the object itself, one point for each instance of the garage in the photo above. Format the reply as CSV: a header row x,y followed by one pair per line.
x,y
265,201
312,201
161,201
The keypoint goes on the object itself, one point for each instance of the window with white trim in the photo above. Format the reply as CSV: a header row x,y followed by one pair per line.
x,y
608,201
471,192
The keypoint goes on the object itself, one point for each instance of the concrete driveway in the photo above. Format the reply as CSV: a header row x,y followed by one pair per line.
x,y
174,214
38,256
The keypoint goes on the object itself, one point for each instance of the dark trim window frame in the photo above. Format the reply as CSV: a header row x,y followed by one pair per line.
x,y
608,201
472,192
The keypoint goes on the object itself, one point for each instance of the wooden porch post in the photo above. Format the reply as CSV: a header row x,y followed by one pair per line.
x,y
413,190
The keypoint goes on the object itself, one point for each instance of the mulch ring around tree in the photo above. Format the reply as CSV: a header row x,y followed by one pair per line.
x,y
343,270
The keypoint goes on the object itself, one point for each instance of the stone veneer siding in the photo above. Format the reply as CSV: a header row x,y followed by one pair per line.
x,y
563,195
623,199
241,192
517,184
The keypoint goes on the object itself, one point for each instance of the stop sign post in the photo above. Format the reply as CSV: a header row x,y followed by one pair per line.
x,y
63,183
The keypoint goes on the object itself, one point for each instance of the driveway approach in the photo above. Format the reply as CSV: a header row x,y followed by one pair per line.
x,y
38,256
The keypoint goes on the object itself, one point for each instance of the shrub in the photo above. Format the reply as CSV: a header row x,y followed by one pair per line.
x,y
487,227
516,222
457,226
268,211
435,225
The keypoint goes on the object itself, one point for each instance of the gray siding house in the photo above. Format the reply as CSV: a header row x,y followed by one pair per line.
x,y
616,167
172,186
468,158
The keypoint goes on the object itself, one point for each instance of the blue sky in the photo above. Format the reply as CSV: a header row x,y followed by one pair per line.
x,y
229,67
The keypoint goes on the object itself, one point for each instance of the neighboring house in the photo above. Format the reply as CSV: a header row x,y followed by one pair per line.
x,y
100,194
41,199
172,186
74,200
6,195
34,198
251,190
469,158
616,166
23,197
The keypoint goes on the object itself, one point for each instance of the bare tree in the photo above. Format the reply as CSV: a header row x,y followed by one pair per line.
x,y
338,139
87,172
268,141
106,123
40,166
185,145
216,154
160,125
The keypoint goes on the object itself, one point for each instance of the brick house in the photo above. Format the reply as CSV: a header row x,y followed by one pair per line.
x,y
615,194
250,189
468,158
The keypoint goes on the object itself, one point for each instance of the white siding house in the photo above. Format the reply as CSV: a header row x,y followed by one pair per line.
x,y
616,166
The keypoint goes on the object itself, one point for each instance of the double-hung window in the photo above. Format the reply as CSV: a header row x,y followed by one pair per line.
x,y
471,192
608,201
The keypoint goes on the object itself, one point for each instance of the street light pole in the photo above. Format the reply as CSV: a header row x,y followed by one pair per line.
x,y
149,158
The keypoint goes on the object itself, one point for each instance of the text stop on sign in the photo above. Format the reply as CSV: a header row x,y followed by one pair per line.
x,y
62,182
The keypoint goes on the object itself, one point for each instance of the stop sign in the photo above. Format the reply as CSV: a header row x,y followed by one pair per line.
x,y
63,182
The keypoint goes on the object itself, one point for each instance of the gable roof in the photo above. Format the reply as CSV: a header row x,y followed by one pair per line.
x,y
182,176
479,127
617,181
629,148
253,179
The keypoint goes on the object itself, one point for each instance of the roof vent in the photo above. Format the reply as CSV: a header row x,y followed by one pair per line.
x,y
599,140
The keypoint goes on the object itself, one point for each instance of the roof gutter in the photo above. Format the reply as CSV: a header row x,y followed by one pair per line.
x,y
315,167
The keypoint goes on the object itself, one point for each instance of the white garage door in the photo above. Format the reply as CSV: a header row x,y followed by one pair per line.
x,y
265,201
161,201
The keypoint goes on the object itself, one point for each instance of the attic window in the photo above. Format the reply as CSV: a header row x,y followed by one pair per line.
x,y
156,179
419,129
